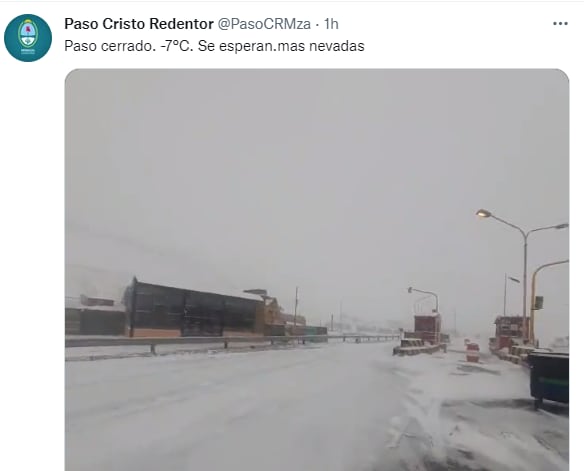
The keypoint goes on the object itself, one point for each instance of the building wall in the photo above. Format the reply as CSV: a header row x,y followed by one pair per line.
x,y
72,321
511,326
428,327
156,333
272,313
80,321
192,313
427,324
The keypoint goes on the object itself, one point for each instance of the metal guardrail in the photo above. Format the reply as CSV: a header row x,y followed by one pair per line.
x,y
153,342
415,350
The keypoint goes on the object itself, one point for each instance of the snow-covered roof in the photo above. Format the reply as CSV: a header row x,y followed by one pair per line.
x,y
72,304
235,293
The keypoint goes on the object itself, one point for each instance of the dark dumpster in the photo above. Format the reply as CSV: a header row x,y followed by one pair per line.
x,y
550,377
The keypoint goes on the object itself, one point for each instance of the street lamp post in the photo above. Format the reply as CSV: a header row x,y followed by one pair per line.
x,y
411,290
532,310
505,292
418,301
483,213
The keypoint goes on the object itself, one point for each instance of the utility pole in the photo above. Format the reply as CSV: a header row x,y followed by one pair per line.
x,y
295,309
332,321
341,316
455,330
505,297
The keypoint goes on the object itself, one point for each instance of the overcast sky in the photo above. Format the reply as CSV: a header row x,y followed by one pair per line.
x,y
352,185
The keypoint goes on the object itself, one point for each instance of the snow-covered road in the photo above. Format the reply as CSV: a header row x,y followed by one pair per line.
x,y
333,407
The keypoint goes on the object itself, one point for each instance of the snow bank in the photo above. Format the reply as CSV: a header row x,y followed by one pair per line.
x,y
482,411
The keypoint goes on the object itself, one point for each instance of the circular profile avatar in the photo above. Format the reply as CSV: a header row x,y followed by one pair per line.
x,y
28,38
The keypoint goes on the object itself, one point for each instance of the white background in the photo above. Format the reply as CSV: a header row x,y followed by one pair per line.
x,y
397,35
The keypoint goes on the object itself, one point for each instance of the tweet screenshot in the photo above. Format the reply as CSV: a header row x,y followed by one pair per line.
x,y
289,235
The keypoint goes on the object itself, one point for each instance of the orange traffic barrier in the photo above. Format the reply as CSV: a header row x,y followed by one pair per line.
x,y
472,352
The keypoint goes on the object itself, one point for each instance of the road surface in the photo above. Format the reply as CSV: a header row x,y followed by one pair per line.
x,y
328,407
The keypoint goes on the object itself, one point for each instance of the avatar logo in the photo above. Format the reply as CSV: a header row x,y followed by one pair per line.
x,y
27,33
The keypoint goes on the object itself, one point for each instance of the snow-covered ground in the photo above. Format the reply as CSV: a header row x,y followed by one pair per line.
x,y
329,407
